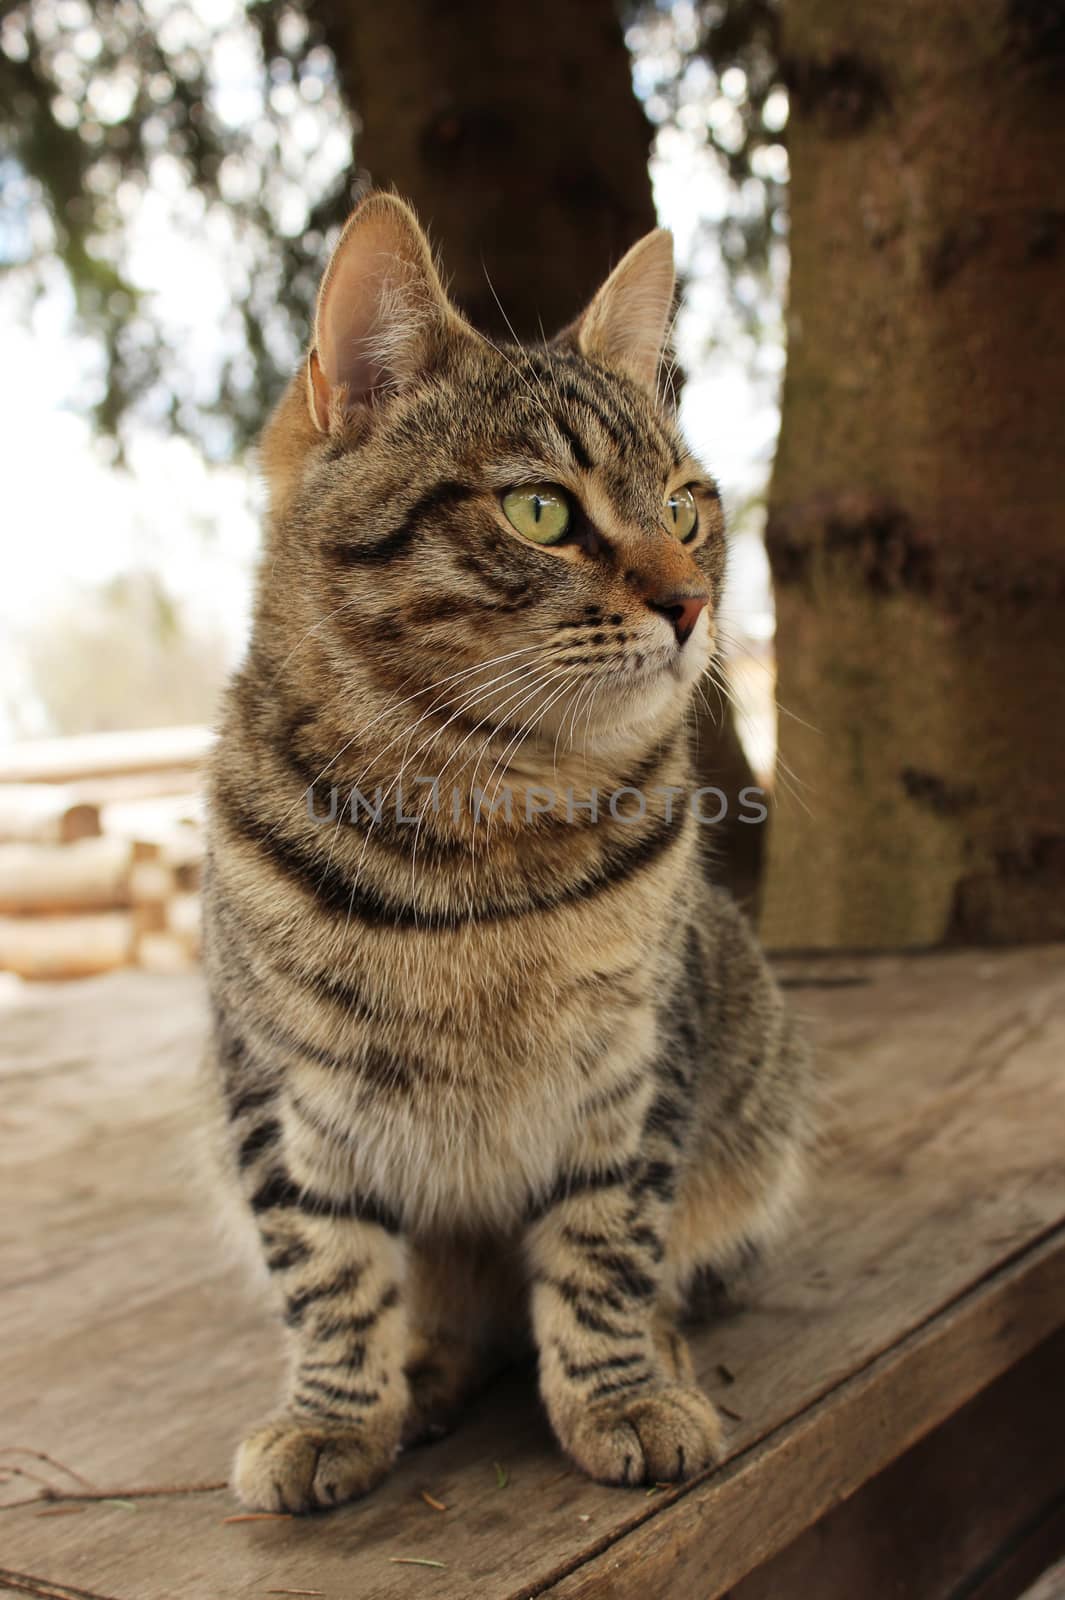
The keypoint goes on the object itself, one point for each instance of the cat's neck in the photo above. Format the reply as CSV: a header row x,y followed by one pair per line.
x,y
396,770
453,780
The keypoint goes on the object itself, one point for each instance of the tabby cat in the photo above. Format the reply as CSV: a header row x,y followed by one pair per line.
x,y
503,1072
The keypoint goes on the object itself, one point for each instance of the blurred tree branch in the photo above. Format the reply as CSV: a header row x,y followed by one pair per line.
x,y
101,107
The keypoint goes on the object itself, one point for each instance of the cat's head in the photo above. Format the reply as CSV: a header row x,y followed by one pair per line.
x,y
516,534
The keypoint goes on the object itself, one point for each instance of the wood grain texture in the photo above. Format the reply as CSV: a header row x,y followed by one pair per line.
x,y
929,1261
968,1505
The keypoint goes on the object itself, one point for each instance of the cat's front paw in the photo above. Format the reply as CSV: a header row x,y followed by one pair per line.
x,y
294,1464
662,1437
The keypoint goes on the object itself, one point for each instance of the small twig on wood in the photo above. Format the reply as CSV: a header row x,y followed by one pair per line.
x,y
42,1455
431,1500
567,1472
26,1583
24,1472
295,1591
733,1416
101,1496
415,1561
260,1516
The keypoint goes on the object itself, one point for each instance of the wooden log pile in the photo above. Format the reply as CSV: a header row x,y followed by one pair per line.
x,y
101,849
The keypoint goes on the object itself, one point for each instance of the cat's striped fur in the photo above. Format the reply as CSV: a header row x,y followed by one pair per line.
x,y
499,1076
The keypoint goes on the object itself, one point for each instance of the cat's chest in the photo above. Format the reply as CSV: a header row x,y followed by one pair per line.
x,y
496,1093
474,1154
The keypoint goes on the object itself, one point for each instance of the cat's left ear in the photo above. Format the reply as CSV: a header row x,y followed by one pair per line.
x,y
626,324
383,316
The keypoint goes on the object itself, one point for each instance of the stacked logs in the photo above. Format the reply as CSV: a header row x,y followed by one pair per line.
x,y
101,846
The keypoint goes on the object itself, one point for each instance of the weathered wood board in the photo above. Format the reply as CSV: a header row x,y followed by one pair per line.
x,y
975,1509
930,1259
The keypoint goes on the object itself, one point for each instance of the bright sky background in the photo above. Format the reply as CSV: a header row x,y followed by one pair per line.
x,y
72,521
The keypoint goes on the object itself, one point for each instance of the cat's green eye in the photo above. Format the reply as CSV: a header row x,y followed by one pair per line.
x,y
540,512
680,513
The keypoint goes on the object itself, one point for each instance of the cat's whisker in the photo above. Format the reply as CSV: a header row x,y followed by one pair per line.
x,y
786,775
518,694
588,724
451,679
345,605
718,718
585,696
560,404
537,716
540,400
568,672
582,690
468,700
739,648
471,699
392,708
514,702
667,362
506,706
408,735
474,758
478,693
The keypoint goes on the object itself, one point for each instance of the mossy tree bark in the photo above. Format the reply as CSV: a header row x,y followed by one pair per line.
x,y
916,527
515,133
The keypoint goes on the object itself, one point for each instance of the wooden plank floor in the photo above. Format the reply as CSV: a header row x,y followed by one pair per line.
x,y
930,1260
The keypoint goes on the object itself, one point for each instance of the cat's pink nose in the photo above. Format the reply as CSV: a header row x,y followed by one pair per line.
x,y
682,610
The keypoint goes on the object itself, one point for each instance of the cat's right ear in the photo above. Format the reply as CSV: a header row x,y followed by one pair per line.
x,y
627,323
382,312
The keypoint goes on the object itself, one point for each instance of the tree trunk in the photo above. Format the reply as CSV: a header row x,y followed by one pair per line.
x,y
916,530
515,133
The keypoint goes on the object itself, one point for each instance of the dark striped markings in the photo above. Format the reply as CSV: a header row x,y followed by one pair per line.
x,y
346,1281
622,859
577,1371
294,1253
336,1391
399,540
278,1192
262,1137
575,1185
308,769
342,1327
